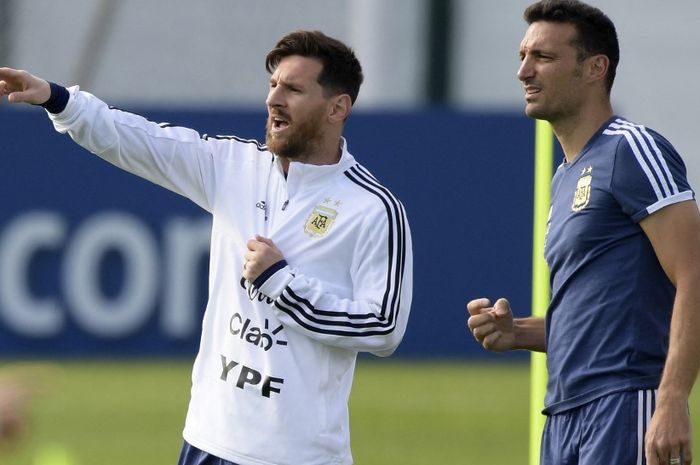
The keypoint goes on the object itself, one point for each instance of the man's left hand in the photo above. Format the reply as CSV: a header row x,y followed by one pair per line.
x,y
668,435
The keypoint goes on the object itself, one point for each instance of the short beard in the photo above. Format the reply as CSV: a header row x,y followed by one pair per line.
x,y
300,143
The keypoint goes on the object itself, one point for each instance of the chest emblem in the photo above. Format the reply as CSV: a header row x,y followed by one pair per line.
x,y
320,220
582,194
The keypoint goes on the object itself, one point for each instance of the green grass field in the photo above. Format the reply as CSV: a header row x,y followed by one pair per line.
x,y
408,413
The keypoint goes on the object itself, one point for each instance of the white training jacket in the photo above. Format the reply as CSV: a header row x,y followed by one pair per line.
x,y
271,381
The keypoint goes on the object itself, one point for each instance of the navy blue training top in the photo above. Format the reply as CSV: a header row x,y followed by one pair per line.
x,y
608,321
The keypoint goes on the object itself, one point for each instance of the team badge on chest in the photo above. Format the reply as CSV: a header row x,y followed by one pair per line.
x,y
582,194
321,220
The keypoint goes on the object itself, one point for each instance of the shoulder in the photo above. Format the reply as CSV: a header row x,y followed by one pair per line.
x,y
229,148
638,139
648,173
369,188
245,144
374,203
643,149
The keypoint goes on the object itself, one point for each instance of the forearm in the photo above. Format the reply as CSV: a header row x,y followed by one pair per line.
x,y
170,156
529,334
683,359
361,324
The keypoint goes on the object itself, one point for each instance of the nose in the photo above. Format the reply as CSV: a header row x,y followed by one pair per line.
x,y
274,97
525,70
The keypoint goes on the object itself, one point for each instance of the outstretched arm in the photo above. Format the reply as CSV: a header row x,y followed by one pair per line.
x,y
23,87
174,157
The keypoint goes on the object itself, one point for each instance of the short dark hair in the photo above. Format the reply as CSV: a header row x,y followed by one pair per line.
x,y
341,74
595,32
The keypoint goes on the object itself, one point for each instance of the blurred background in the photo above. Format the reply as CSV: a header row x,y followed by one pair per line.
x,y
103,275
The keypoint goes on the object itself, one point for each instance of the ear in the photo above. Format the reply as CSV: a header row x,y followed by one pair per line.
x,y
598,67
339,109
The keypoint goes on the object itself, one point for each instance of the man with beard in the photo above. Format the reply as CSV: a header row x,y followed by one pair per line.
x,y
311,257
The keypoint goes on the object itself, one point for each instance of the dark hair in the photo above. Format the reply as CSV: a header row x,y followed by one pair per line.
x,y
595,32
341,74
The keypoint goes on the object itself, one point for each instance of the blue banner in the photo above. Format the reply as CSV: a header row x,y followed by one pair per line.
x,y
95,261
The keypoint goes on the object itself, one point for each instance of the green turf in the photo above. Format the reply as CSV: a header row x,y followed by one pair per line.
x,y
435,413
116,413
108,413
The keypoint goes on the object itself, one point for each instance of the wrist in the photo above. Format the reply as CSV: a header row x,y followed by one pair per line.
x,y
528,334
671,395
274,280
57,100
519,334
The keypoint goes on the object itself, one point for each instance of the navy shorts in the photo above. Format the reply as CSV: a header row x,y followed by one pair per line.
x,y
190,455
610,429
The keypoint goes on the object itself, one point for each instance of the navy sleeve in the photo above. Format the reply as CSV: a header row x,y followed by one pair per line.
x,y
58,100
649,174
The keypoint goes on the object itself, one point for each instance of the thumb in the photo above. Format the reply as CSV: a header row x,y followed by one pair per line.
x,y
20,97
34,95
502,308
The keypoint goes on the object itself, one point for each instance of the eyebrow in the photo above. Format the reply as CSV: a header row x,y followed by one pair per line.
x,y
537,52
294,84
287,84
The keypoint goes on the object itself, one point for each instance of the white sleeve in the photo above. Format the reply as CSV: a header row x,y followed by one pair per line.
x,y
374,320
174,157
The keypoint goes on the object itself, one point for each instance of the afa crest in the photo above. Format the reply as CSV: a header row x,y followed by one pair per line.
x,y
320,221
582,194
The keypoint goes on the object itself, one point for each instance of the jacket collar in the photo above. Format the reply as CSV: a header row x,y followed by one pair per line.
x,y
308,175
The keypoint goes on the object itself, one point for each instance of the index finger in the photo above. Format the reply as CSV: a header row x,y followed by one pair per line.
x,y
4,71
12,79
477,306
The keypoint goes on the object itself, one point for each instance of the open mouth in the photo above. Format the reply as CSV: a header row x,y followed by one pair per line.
x,y
279,123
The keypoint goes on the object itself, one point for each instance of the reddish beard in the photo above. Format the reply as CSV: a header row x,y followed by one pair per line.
x,y
297,143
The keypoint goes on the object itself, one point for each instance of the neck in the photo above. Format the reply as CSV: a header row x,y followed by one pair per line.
x,y
576,130
328,156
